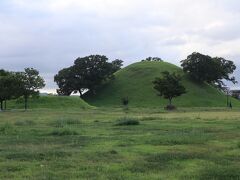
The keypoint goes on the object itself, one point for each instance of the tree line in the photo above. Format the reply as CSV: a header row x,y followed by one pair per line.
x,y
91,72
19,84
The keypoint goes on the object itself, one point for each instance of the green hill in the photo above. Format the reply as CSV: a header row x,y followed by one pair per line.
x,y
50,102
135,81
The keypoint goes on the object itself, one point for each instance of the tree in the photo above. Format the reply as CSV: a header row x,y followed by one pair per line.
x,y
31,82
92,71
169,86
116,65
211,70
9,87
87,73
4,81
152,59
65,81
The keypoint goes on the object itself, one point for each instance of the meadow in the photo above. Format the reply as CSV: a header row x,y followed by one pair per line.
x,y
93,143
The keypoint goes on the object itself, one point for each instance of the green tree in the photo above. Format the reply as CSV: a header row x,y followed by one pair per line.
x,y
31,82
169,86
9,87
211,70
152,59
87,73
92,71
65,80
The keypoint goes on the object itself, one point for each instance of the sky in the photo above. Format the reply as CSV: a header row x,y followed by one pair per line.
x,y
50,34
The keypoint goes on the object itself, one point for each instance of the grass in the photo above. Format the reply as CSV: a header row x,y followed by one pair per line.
x,y
135,82
87,144
50,102
127,121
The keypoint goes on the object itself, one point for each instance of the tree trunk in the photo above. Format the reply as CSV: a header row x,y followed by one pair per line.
x,y
80,93
26,102
1,105
5,104
170,101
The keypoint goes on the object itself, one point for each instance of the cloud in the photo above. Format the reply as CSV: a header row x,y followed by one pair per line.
x,y
50,34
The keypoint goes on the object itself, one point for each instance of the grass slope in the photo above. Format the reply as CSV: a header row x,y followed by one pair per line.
x,y
135,81
50,102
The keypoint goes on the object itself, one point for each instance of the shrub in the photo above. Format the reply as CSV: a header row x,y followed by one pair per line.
x,y
63,132
127,122
170,107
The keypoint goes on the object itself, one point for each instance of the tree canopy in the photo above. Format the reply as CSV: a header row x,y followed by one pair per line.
x,y
152,59
205,68
87,73
169,86
16,84
31,82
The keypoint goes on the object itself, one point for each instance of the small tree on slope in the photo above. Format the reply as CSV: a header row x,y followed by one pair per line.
x,y
169,86
31,83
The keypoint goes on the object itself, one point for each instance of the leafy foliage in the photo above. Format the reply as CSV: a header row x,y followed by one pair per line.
x,y
87,73
31,82
65,81
169,86
205,68
9,86
152,59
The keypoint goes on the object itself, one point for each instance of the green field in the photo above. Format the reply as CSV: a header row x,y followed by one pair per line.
x,y
135,82
82,143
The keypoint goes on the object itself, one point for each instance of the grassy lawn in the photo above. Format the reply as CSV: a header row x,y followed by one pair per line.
x,y
88,144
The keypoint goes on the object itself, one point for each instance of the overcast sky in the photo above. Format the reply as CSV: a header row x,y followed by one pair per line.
x,y
51,34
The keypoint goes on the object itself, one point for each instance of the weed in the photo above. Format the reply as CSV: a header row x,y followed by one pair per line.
x,y
63,132
127,122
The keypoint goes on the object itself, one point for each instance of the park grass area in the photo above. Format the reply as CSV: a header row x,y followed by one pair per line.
x,y
49,102
90,144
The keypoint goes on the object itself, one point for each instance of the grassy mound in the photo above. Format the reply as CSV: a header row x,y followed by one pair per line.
x,y
49,102
135,82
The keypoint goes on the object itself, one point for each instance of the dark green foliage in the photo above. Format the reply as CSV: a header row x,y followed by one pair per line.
x,y
10,86
65,81
63,132
205,68
125,101
31,82
152,59
126,121
87,73
169,86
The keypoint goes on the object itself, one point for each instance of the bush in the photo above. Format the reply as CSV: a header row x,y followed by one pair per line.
x,y
63,132
170,107
127,122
